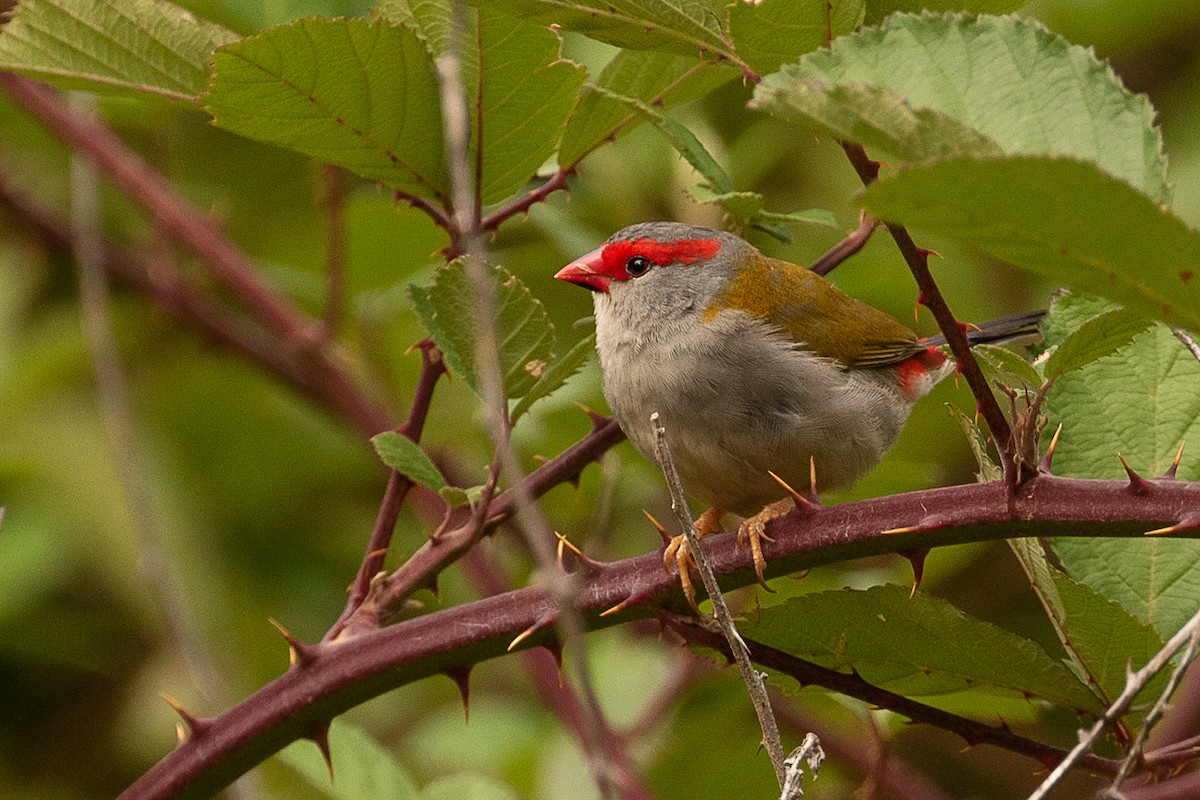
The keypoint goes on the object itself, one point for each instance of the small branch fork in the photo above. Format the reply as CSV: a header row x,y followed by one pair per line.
x,y
1135,682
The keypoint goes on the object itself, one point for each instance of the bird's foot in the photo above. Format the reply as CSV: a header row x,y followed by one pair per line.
x,y
753,531
677,557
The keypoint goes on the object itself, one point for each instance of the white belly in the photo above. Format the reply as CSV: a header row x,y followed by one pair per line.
x,y
734,409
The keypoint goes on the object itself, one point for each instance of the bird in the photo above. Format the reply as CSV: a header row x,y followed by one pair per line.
x,y
763,373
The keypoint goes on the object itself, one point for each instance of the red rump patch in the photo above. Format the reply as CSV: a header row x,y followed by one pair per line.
x,y
682,251
915,369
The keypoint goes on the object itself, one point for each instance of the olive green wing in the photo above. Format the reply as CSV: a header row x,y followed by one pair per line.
x,y
818,316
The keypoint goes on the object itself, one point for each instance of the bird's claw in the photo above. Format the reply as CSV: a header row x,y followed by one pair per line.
x,y
677,557
753,531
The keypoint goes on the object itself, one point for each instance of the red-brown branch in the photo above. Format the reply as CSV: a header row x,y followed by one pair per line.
x,y
338,675
956,337
184,225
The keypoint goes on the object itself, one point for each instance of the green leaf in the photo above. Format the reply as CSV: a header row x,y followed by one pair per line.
x,y
1095,338
977,439
878,9
467,787
1107,638
771,32
1068,310
1002,364
658,79
682,139
1099,636
523,93
687,27
980,82
1147,262
1156,580
525,335
429,19
875,116
357,94
457,497
362,767
556,375
406,457
747,209
105,45
921,646
1142,402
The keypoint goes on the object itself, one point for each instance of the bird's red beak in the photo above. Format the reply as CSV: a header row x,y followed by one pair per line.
x,y
587,270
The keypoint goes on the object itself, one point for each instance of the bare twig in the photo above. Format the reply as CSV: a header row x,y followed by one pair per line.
x,y
894,776
852,244
1135,754
931,297
755,685
1188,341
466,194
1135,682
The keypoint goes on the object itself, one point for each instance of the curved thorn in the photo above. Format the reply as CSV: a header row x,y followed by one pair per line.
x,y
462,679
800,500
916,557
1137,484
658,526
565,543
319,735
191,725
300,654
1189,522
637,598
544,621
1169,475
1044,467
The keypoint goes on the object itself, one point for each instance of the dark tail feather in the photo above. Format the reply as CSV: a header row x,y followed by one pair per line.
x,y
999,330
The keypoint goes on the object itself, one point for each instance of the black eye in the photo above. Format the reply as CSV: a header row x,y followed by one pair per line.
x,y
638,266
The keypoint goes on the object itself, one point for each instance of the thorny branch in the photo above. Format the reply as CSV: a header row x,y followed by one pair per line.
x,y
930,296
330,677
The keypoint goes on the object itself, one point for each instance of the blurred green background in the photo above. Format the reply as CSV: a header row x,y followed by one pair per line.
x,y
262,503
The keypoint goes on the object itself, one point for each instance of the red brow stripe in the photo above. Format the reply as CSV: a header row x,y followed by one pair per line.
x,y
683,251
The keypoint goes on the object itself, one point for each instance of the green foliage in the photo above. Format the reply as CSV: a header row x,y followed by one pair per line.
x,y
406,457
687,27
357,94
659,79
524,333
1100,637
920,646
770,33
524,93
107,45
999,206
981,84
1095,338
